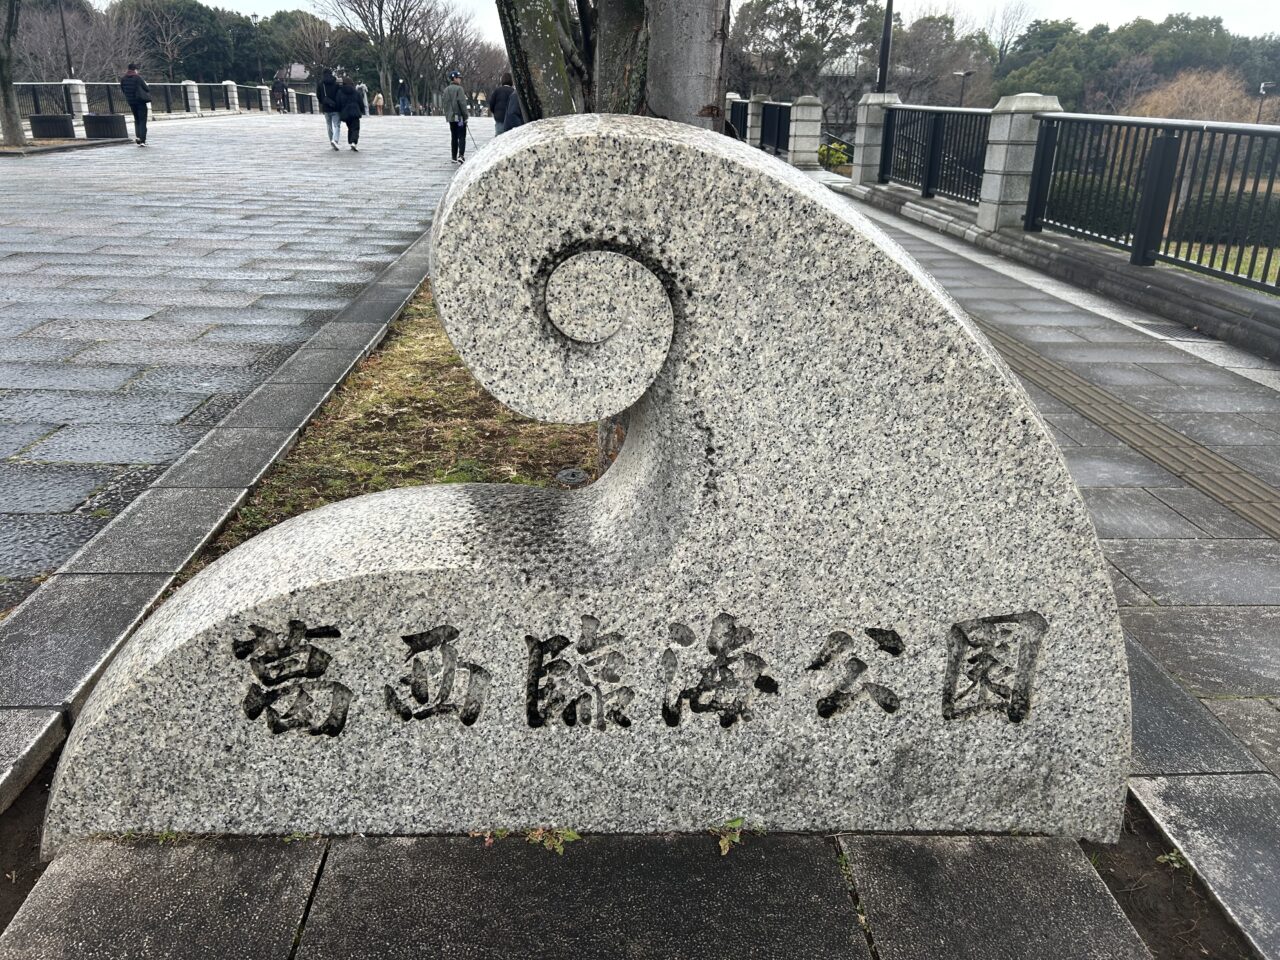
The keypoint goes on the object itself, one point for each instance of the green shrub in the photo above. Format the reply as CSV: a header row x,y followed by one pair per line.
x,y
1227,220
832,155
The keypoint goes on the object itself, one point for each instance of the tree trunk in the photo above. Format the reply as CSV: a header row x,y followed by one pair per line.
x,y
621,56
10,120
533,32
685,75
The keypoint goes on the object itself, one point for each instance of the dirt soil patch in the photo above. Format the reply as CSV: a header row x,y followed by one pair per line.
x,y
410,414
1166,903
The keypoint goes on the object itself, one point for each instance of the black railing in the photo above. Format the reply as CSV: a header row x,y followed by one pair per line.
x,y
306,103
206,95
1204,196
775,128
168,98
105,98
250,97
738,114
42,98
940,150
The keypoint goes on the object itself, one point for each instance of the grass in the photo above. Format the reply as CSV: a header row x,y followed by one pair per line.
x,y
410,414
1225,259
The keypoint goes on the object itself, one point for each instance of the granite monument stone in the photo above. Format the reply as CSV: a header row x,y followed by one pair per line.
x,y
837,579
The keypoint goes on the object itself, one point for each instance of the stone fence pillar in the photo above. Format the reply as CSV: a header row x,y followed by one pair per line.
x,y
869,135
233,95
805,133
1011,150
293,100
755,113
78,96
192,94
264,99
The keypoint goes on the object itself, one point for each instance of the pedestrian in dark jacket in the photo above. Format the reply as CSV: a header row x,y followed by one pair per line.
x,y
498,103
327,94
137,94
402,95
454,105
515,116
351,109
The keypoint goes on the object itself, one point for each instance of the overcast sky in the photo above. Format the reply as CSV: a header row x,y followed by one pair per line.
x,y
1240,16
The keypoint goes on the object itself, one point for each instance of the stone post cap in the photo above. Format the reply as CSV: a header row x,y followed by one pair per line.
x,y
732,95
878,99
1028,103
806,101
838,578
760,97
229,83
65,82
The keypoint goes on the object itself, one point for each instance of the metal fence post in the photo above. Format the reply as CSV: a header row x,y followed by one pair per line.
x,y
1041,176
886,148
1153,204
933,153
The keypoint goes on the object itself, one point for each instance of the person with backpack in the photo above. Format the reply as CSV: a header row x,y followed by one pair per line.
x,y
515,116
138,95
350,109
498,103
454,106
327,95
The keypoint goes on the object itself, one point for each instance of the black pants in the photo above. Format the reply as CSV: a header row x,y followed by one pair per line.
x,y
139,121
458,139
353,130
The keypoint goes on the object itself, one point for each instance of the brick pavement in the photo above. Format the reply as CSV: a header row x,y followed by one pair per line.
x,y
143,293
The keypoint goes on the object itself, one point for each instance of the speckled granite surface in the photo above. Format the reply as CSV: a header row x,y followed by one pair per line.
x,y
837,579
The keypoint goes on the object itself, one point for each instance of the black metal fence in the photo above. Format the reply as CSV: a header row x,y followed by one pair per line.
x,y
168,98
775,128
42,98
306,103
105,98
835,153
738,114
940,150
1204,196
251,98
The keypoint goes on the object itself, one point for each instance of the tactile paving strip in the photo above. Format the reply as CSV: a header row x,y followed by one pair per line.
x,y
1197,465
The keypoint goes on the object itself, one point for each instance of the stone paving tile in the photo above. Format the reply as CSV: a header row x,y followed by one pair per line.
x,y
209,316
1201,572
1220,429
1198,399
194,298
1117,374
63,376
76,311
28,737
1150,351
1197,375
1127,592
15,436
1083,431
198,379
649,898
85,407
259,333
1227,828
1173,733
1133,513
1207,514
136,331
1116,466
16,326
170,353
22,349
1213,651
1256,721
32,545
986,898
33,488
144,900
1262,462
115,443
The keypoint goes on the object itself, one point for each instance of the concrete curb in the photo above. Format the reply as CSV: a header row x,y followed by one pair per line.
x,y
1233,314
64,147
55,645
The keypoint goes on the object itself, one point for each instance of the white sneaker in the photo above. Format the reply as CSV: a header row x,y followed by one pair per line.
x,y
334,144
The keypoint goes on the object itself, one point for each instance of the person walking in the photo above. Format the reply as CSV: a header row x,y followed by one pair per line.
x,y
377,103
363,90
138,95
498,103
402,94
279,94
515,116
454,106
351,109
327,94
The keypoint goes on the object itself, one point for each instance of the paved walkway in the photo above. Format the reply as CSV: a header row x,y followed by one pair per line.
x,y
1191,449
144,293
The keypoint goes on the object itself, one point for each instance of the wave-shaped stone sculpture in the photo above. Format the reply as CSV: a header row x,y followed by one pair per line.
x,y
838,578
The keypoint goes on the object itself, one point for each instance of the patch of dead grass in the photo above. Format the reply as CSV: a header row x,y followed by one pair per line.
x,y
410,414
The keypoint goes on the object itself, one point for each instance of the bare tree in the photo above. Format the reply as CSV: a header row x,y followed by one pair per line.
x,y
386,24
1007,23
663,57
100,41
310,42
170,34
10,120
